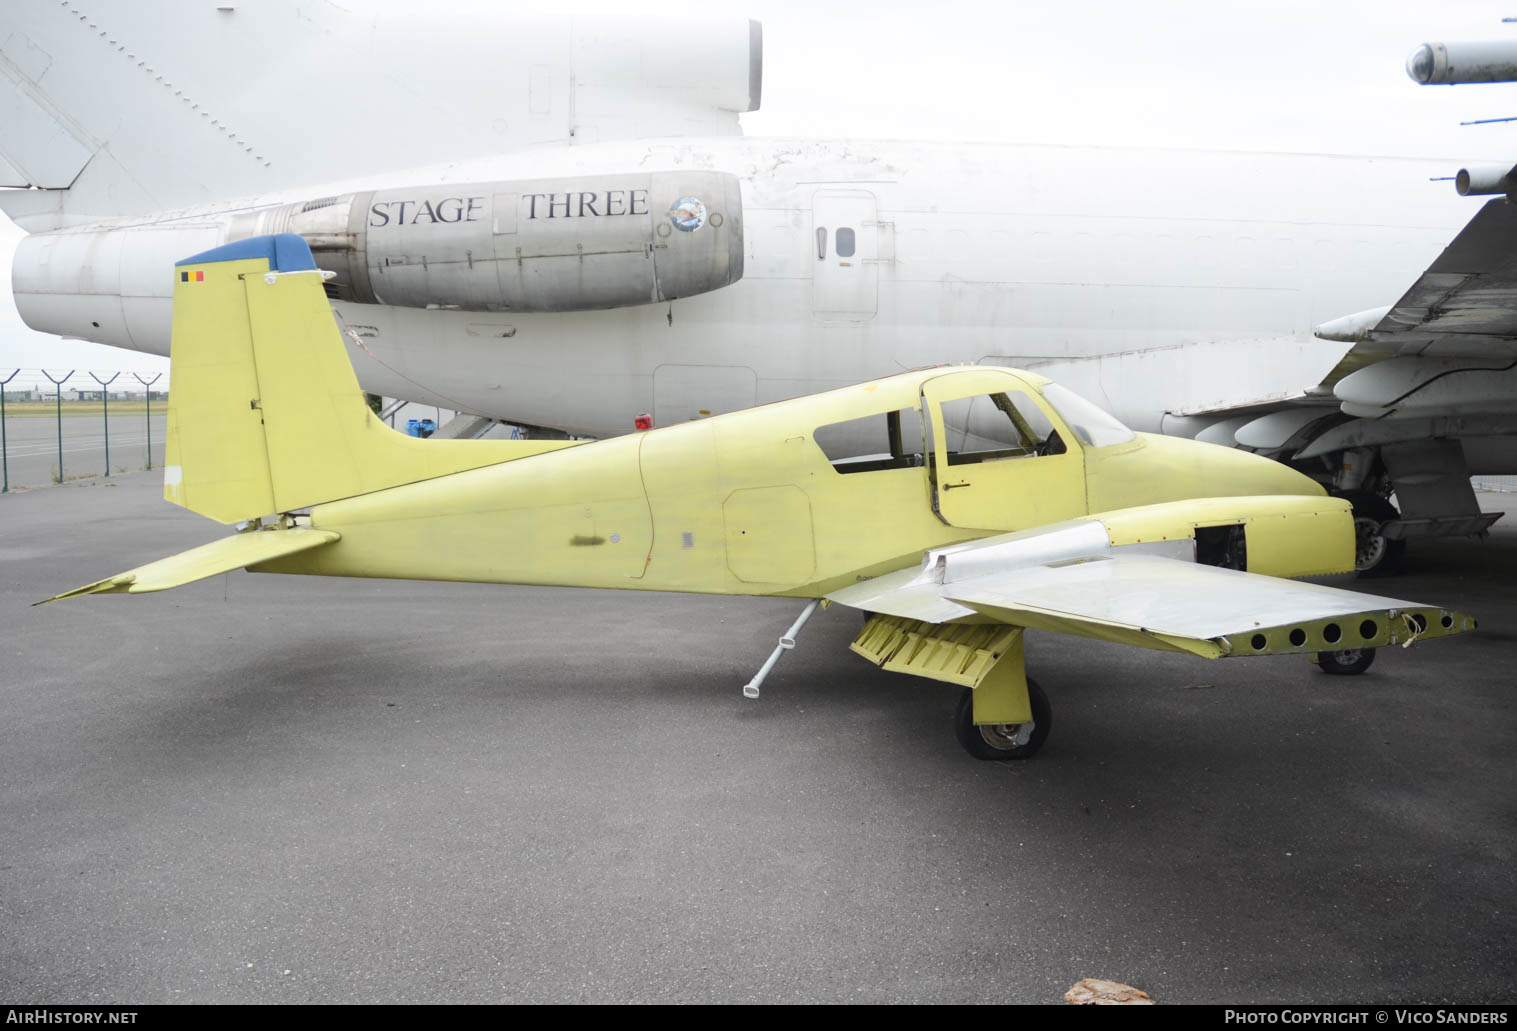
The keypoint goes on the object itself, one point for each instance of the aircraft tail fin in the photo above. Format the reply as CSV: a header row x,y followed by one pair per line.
x,y
265,413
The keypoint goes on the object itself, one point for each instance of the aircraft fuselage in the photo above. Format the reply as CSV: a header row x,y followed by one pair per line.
x,y
1148,280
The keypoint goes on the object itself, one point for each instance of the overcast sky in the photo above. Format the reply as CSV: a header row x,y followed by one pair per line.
x,y
1280,75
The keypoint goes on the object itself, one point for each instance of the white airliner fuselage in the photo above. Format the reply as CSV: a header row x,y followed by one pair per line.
x,y
1157,282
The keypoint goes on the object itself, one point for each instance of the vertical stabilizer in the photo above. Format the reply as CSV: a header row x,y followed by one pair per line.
x,y
265,414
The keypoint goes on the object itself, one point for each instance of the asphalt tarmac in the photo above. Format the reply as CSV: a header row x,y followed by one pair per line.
x,y
268,789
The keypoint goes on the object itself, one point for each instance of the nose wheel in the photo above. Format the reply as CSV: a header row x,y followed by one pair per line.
x,y
995,741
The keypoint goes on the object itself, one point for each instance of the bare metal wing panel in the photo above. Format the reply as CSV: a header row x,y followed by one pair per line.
x,y
1162,603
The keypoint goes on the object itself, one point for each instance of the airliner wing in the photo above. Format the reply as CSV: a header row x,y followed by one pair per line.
x,y
266,97
1463,306
1439,363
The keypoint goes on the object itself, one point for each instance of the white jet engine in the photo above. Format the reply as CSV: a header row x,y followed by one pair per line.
x,y
544,245
566,244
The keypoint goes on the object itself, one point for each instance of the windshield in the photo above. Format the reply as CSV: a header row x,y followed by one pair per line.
x,y
1092,425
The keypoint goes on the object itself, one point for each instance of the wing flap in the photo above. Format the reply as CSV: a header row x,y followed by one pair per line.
x,y
222,556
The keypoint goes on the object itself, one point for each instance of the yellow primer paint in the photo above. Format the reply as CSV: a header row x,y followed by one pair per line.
x,y
987,658
1287,535
1301,543
266,414
1155,468
223,556
268,417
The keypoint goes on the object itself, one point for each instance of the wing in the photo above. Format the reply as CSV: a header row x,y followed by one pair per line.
x,y
1425,397
959,618
1167,604
259,98
1440,362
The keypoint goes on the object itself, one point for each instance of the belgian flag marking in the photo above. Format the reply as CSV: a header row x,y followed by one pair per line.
x,y
197,276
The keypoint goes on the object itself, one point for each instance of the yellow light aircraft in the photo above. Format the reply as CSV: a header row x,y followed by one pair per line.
x,y
956,506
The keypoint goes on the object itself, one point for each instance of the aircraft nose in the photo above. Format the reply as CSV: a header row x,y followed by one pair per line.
x,y
1229,471
1196,469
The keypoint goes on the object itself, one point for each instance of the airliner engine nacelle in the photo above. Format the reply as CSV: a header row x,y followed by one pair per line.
x,y
544,245
1484,181
1446,64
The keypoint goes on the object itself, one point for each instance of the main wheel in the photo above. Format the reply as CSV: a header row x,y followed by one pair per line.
x,y
1004,740
1347,662
1374,554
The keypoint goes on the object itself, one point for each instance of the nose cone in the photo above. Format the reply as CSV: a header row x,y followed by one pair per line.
x,y
1173,469
1208,470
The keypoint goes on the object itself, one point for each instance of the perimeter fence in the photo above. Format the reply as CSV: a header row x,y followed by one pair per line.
x,y
69,424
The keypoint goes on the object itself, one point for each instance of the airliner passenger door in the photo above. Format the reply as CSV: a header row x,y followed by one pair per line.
x,y
844,244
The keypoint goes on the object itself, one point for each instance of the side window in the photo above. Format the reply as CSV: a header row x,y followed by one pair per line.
x,y
996,426
888,440
845,245
1091,424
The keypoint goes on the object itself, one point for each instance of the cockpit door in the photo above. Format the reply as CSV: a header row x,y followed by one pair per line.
x,y
1001,457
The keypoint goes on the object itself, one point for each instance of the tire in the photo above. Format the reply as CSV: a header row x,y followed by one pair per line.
x,y
1374,556
1348,662
995,741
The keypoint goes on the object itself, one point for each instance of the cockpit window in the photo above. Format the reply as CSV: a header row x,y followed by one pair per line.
x,y
997,426
1091,424
888,440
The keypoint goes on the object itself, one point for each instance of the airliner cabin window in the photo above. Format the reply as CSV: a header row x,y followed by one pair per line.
x,y
996,426
845,243
887,440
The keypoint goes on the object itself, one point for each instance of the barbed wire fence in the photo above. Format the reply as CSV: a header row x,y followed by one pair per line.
x,y
56,424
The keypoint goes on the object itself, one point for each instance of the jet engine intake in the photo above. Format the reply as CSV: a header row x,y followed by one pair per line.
x,y
1447,64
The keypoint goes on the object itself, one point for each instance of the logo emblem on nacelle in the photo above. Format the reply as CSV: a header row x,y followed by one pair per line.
x,y
688,214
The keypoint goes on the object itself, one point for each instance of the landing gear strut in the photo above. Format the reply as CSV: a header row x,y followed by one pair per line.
x,y
1374,554
1004,740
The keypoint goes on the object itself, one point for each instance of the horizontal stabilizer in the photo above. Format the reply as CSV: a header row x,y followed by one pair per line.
x,y
223,556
